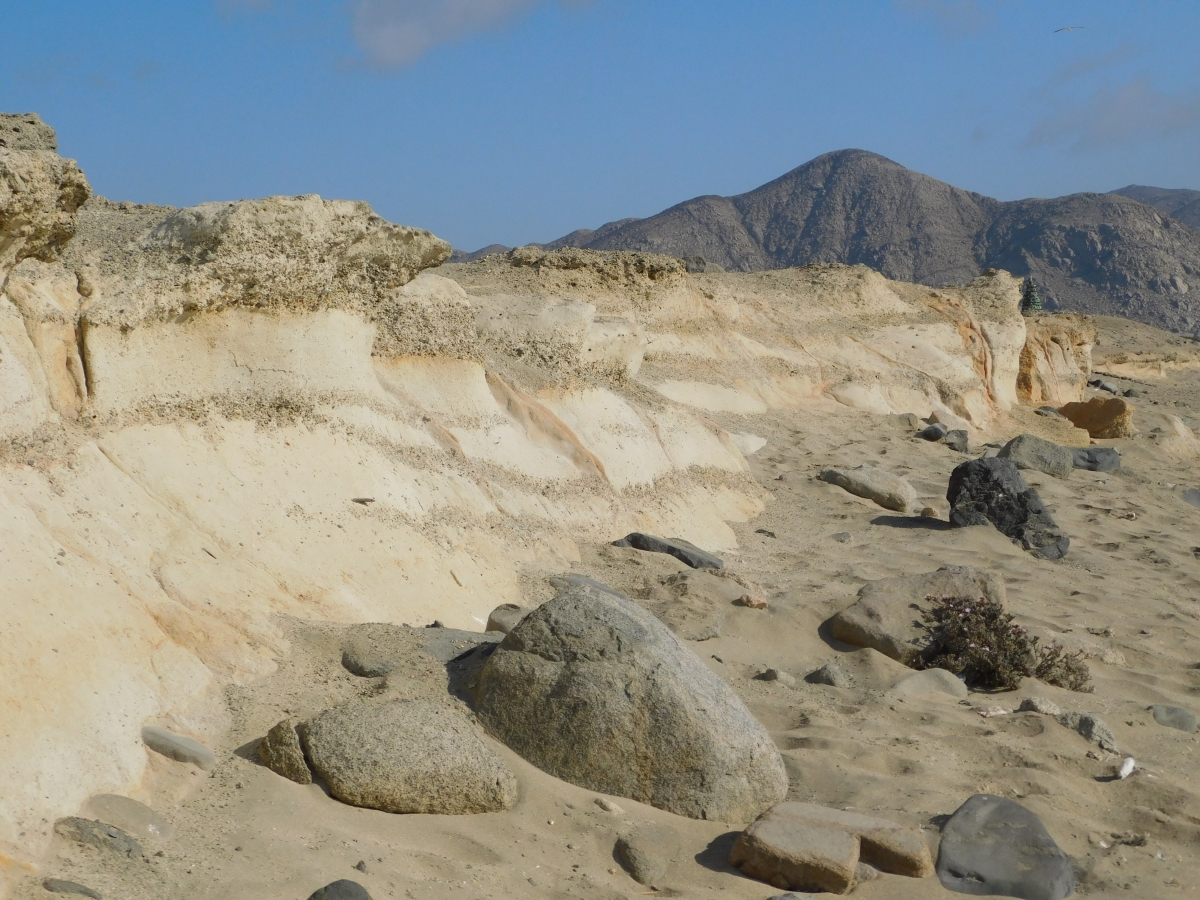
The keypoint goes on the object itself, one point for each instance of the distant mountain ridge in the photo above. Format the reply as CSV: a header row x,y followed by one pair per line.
x,y
1112,254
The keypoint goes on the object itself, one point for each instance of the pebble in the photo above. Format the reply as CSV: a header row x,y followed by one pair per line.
x,y
608,806
828,674
842,537
752,601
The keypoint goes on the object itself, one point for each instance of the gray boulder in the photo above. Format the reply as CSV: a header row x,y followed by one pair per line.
x,y
1096,459
1090,728
647,853
1029,451
887,614
829,674
684,551
1174,717
888,490
407,756
992,492
281,752
595,690
934,432
957,439
342,889
178,747
995,846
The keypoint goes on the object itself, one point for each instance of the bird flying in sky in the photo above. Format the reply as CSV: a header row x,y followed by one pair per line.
x,y
1069,28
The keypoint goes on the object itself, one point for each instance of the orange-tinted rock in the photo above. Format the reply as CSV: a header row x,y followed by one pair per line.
x,y
1111,418
1056,359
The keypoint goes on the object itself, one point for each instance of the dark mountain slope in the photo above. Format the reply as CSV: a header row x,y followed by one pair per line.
x,y
1180,203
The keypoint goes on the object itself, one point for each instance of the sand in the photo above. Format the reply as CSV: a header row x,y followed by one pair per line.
x,y
1128,593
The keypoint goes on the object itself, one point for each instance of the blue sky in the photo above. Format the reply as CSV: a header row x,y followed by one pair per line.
x,y
520,120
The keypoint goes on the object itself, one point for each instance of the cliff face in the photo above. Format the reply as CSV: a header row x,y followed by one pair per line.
x,y
216,417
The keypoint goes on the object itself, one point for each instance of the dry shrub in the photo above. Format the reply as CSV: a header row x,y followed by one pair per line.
x,y
975,638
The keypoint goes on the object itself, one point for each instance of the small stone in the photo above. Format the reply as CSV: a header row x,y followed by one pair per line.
x,y
178,747
1090,728
1174,717
342,889
99,835
828,674
752,601
1192,496
1131,392
62,886
956,439
908,421
842,537
864,872
504,618
930,513
993,711
608,806
887,490
995,846
684,551
933,432
648,852
775,675
361,865
280,752
1040,705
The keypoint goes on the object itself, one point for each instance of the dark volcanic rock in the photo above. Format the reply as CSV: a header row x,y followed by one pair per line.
x,y
99,835
994,846
682,550
62,886
343,889
595,690
992,491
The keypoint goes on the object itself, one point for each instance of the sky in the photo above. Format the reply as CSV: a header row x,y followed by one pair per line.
x,y
513,121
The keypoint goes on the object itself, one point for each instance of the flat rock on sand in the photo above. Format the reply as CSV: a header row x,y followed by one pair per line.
x,y
99,835
1096,459
995,846
595,690
407,756
1029,451
888,490
1101,418
1174,717
178,747
130,816
992,491
794,855
887,614
684,551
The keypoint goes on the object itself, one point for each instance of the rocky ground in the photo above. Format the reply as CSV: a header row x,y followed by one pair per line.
x,y
1126,595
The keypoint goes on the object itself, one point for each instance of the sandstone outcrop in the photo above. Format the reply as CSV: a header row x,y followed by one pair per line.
x,y
1102,418
1056,361
568,689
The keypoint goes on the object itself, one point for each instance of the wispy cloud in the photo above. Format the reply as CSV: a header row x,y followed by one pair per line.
x,y
399,32
1116,115
955,18
1088,65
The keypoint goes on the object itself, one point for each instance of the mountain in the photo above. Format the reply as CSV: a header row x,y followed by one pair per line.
x,y
1181,203
1098,253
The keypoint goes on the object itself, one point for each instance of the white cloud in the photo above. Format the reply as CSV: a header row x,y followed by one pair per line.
x,y
399,32
1131,112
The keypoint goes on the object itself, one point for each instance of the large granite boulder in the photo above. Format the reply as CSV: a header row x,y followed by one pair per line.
x,y
593,689
407,756
992,491
887,614
995,846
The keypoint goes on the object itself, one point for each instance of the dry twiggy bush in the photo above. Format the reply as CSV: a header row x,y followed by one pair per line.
x,y
975,638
